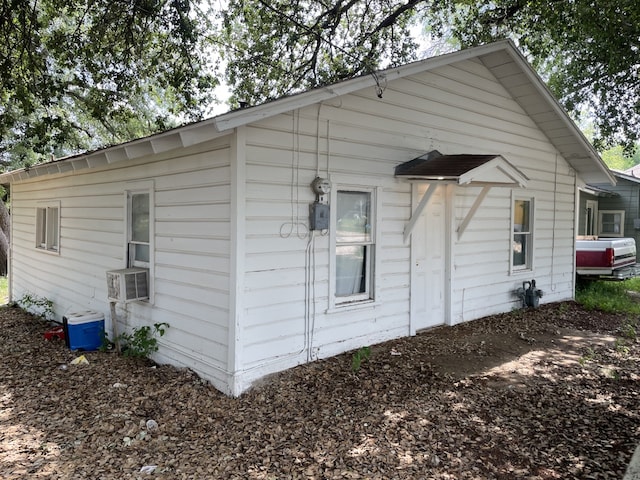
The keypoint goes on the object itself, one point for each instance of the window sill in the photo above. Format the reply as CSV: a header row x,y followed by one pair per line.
x,y
50,252
523,271
346,307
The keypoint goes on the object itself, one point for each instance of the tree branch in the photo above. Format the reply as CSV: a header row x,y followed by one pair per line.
x,y
392,18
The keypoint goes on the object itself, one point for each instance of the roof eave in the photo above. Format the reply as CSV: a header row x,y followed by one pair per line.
x,y
561,113
185,136
249,115
221,125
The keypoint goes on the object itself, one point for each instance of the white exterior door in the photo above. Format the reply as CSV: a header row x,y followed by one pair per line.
x,y
428,269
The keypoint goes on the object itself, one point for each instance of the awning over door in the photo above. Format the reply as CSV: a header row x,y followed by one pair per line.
x,y
467,170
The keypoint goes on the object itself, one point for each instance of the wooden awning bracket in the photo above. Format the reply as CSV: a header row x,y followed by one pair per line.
x,y
418,211
424,201
484,171
472,211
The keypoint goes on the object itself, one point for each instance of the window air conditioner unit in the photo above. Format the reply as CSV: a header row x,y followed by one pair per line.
x,y
128,285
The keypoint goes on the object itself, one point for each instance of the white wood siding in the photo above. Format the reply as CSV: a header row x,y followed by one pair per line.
x,y
192,249
456,109
282,160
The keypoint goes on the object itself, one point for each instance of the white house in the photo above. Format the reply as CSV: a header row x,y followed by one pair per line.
x,y
443,185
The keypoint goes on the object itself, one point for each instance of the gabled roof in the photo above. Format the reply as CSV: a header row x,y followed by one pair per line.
x,y
604,190
633,171
629,175
502,58
463,169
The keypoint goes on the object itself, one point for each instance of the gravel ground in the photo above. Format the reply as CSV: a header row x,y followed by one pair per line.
x,y
540,394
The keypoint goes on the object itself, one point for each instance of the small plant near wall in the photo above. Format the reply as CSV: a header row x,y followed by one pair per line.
x,y
361,355
107,345
142,341
39,306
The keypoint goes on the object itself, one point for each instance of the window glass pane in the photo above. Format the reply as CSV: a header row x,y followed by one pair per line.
x,y
47,228
611,222
140,252
350,270
521,216
41,227
353,217
52,228
520,250
140,217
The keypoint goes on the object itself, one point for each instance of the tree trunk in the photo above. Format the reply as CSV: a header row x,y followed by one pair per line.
x,y
5,228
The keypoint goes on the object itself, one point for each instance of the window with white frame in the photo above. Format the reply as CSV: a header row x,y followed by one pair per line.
x,y
139,228
48,227
611,223
522,234
354,245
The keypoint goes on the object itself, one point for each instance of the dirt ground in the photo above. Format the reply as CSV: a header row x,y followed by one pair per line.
x,y
548,393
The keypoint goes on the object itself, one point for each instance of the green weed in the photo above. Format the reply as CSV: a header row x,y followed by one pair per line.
x,y
361,355
39,306
622,347
589,356
4,290
610,373
629,329
142,341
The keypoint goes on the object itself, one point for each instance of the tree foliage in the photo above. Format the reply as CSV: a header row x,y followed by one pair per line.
x,y
616,159
586,49
82,73
278,47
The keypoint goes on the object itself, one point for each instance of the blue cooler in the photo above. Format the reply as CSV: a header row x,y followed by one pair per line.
x,y
83,330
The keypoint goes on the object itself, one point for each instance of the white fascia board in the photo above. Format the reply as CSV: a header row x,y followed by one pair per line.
x,y
560,112
504,169
624,176
238,118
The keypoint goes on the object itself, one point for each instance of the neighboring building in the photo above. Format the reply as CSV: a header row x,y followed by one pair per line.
x,y
452,180
588,211
613,210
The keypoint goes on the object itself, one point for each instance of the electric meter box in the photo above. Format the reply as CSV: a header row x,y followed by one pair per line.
x,y
318,216
83,330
